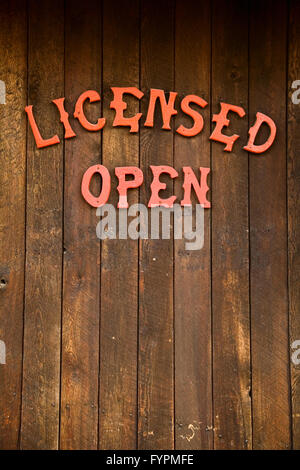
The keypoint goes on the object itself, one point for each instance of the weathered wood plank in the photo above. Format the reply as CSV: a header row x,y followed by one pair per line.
x,y
13,46
192,283
156,362
81,304
268,231
126,385
294,210
41,377
119,258
230,244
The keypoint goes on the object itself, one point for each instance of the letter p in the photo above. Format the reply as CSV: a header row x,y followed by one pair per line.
x,y
124,184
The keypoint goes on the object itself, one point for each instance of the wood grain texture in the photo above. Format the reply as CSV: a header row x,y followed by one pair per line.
x,y
156,361
268,231
41,373
294,209
192,277
125,344
230,244
119,258
81,303
13,73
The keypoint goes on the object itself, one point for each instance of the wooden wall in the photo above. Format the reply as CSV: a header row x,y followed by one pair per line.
x,y
140,344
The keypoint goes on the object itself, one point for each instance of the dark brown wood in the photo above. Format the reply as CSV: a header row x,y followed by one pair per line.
x,y
156,339
230,245
192,278
81,304
119,258
268,231
13,73
159,345
41,375
294,209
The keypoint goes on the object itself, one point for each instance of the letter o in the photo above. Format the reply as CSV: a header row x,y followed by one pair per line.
x,y
106,184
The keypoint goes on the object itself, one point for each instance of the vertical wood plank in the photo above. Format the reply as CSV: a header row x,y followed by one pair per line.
x,y
156,362
294,210
81,304
193,385
119,258
268,231
41,373
13,46
230,246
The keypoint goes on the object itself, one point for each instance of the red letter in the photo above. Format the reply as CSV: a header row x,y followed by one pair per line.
x,y
198,119
92,96
200,189
222,121
119,105
121,173
157,185
260,118
167,109
64,118
40,142
85,185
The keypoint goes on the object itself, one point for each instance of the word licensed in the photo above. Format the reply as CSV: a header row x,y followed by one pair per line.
x,y
167,110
